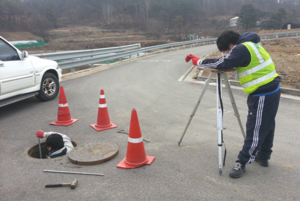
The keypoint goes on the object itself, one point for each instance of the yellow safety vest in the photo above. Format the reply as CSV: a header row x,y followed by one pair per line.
x,y
259,72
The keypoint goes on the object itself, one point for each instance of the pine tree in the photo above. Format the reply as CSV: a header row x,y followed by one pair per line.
x,y
248,16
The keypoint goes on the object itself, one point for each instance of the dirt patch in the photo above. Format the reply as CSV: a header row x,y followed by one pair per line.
x,y
276,31
69,46
285,53
16,36
80,38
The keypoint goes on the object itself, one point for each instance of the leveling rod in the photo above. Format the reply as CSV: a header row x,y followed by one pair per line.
x,y
67,172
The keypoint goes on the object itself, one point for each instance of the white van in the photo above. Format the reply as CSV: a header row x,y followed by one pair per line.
x,y
23,76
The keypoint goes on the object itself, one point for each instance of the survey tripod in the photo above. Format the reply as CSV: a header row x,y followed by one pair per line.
x,y
219,73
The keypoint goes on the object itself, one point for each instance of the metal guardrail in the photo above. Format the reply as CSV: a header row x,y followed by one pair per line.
x,y
73,59
290,33
102,58
57,56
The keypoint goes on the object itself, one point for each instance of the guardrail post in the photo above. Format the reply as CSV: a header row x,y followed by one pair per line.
x,y
92,66
276,36
72,70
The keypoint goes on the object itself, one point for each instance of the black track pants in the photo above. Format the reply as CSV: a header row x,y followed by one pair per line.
x,y
260,127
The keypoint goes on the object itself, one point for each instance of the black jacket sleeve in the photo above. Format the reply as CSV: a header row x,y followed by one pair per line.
x,y
239,56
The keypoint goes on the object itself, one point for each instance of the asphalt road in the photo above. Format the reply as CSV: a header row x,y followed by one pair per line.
x,y
186,172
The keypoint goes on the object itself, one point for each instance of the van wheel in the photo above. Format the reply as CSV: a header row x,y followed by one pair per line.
x,y
49,87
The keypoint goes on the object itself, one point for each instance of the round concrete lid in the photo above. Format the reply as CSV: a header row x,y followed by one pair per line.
x,y
93,153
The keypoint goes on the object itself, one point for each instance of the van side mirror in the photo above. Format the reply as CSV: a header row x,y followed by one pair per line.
x,y
1,63
24,54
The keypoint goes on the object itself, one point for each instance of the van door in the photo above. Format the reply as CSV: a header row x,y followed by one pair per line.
x,y
15,74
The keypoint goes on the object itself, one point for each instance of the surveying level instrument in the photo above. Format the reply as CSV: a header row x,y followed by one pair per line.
x,y
219,73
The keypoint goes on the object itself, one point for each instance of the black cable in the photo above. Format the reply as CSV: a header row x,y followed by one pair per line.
x,y
221,103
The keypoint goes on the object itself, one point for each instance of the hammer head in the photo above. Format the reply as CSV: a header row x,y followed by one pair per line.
x,y
74,184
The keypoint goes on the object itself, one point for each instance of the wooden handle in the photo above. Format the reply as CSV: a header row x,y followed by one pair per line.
x,y
53,185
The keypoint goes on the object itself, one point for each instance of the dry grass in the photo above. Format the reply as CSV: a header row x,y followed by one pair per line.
x,y
69,46
78,38
16,36
286,55
275,31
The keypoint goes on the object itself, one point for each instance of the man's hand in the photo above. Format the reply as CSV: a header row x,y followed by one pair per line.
x,y
40,133
196,60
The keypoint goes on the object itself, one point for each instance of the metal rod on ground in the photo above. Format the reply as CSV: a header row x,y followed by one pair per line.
x,y
67,172
40,148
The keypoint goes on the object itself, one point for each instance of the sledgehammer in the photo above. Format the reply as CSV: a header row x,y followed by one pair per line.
x,y
73,184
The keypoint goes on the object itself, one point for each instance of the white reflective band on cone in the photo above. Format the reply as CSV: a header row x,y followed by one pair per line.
x,y
102,105
102,96
63,105
135,140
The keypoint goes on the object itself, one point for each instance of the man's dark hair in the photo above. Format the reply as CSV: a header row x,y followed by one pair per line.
x,y
55,141
226,38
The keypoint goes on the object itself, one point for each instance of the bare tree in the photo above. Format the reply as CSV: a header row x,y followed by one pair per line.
x,y
40,27
107,11
178,24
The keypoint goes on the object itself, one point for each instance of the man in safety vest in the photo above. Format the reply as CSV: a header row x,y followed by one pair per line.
x,y
257,75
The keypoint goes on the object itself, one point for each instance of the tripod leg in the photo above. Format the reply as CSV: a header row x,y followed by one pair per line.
x,y
196,106
219,121
236,112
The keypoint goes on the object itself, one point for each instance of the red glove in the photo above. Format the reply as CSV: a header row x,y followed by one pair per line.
x,y
40,133
195,59
189,57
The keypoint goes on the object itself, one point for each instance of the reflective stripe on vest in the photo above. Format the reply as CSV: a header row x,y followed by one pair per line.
x,y
260,71
261,60
257,68
259,80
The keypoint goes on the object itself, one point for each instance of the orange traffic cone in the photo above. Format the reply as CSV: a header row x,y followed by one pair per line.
x,y
103,122
136,155
63,115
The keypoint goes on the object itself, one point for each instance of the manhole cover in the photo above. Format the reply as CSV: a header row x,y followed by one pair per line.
x,y
93,153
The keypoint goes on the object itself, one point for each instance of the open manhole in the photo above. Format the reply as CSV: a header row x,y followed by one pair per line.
x,y
35,153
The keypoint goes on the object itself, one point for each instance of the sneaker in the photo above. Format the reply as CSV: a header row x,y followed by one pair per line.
x,y
263,163
238,170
